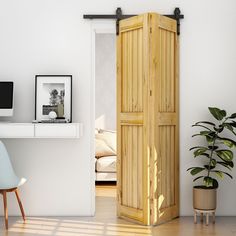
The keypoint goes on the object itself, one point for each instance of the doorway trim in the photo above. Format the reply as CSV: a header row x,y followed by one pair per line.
x,y
97,27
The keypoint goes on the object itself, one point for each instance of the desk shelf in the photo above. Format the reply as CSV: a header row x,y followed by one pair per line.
x,y
40,130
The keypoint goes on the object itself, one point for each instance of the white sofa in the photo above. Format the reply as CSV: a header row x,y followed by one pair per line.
x,y
106,168
105,155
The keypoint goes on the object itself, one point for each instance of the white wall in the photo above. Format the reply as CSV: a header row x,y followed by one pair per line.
x,y
51,37
105,81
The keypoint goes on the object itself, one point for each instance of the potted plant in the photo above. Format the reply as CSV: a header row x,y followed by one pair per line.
x,y
216,157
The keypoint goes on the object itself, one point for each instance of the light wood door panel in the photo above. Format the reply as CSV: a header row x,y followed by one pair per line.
x,y
147,119
130,91
165,155
132,166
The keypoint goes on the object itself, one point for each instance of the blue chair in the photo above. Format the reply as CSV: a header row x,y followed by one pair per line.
x,y
9,182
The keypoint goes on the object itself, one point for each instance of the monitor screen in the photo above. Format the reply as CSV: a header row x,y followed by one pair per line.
x,y
6,95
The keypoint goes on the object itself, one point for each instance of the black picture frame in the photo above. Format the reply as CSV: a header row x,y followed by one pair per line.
x,y
50,79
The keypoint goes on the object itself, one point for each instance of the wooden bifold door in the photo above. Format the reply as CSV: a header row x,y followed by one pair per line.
x,y
147,119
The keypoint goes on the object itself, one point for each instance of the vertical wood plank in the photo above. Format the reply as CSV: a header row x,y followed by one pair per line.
x,y
177,126
140,70
168,68
125,136
135,167
164,165
159,80
160,163
135,71
119,100
146,110
172,71
172,200
153,62
140,167
123,166
129,69
163,78
168,160
130,167
124,72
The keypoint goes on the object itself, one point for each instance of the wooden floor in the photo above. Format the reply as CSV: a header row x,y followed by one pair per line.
x,y
106,223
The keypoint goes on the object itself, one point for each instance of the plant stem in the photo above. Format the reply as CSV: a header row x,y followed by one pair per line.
x,y
212,150
211,155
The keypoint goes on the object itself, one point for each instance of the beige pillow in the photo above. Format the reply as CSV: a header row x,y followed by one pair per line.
x,y
109,137
102,149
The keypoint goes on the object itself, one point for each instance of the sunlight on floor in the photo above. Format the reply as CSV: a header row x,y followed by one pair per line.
x,y
61,227
105,223
91,226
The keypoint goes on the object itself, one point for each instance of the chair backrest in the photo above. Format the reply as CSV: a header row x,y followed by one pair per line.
x,y
8,177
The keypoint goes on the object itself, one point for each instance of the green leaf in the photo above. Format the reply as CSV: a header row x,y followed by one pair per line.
x,y
230,163
228,174
226,155
217,113
223,112
199,177
206,134
224,164
210,135
207,167
199,151
208,181
195,170
219,173
205,154
209,140
215,183
212,165
228,126
202,127
222,173
233,123
196,147
205,122
233,116
228,142
213,162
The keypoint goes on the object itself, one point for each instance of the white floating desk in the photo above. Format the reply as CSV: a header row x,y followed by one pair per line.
x,y
41,130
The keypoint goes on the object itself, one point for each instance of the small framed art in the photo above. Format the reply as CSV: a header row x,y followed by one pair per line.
x,y
53,98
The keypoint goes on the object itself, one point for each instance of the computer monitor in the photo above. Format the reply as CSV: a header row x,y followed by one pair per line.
x,y
6,98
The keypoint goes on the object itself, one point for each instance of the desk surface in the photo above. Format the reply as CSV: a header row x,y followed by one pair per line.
x,y
40,130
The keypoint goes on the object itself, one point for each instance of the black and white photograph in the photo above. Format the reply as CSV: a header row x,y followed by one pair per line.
x,y
53,98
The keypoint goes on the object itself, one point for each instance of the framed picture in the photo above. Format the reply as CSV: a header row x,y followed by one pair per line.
x,y
53,98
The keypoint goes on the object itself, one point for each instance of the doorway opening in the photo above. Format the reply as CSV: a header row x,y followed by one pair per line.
x,y
147,119
105,118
